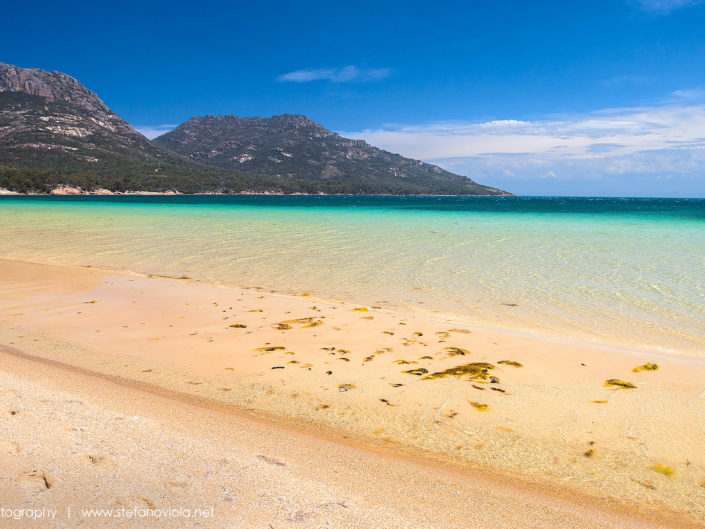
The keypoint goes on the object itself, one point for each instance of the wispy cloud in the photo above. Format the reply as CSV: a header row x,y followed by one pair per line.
x,y
345,74
664,7
649,142
152,131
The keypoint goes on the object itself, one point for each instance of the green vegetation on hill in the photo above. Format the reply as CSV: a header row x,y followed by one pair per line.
x,y
302,155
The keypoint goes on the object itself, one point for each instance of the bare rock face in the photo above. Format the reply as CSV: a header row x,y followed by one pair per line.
x,y
52,86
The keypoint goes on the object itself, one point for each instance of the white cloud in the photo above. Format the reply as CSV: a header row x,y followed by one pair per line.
x,y
613,132
664,7
152,131
630,144
345,74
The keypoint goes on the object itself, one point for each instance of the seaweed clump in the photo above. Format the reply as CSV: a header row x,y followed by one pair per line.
x,y
615,383
305,322
456,351
479,406
474,371
646,367
510,363
418,371
662,469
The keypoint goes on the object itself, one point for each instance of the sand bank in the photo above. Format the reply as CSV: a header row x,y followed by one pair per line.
x,y
494,403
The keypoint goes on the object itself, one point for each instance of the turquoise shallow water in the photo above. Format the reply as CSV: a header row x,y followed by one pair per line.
x,y
624,271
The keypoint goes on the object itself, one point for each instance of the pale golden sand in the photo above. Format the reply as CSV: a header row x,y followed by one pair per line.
x,y
551,421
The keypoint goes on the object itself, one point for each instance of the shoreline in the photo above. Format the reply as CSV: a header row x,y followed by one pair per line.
x,y
76,191
418,313
431,418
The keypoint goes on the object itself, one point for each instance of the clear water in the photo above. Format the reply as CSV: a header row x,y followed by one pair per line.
x,y
623,271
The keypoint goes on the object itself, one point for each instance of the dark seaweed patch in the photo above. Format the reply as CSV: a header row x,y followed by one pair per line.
x,y
510,363
615,383
456,351
646,367
474,371
418,371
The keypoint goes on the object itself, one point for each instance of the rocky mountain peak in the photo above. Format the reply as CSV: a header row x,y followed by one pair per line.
x,y
52,86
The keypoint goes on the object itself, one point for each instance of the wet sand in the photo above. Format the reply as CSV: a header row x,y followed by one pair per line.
x,y
473,412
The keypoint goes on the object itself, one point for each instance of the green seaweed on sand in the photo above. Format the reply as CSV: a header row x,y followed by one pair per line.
x,y
456,351
479,406
615,383
646,367
238,326
418,371
510,363
404,362
306,322
426,358
360,309
474,371
282,326
662,469
271,348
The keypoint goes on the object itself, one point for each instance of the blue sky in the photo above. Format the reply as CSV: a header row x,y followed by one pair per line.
x,y
542,97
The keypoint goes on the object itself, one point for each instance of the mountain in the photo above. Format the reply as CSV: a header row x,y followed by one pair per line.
x,y
305,156
55,132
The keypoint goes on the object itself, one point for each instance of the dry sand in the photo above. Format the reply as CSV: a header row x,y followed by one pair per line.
x,y
525,450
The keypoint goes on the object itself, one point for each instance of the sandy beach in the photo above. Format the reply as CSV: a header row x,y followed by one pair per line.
x,y
118,373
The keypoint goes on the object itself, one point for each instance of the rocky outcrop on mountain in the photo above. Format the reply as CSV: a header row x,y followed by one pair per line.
x,y
300,151
51,86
